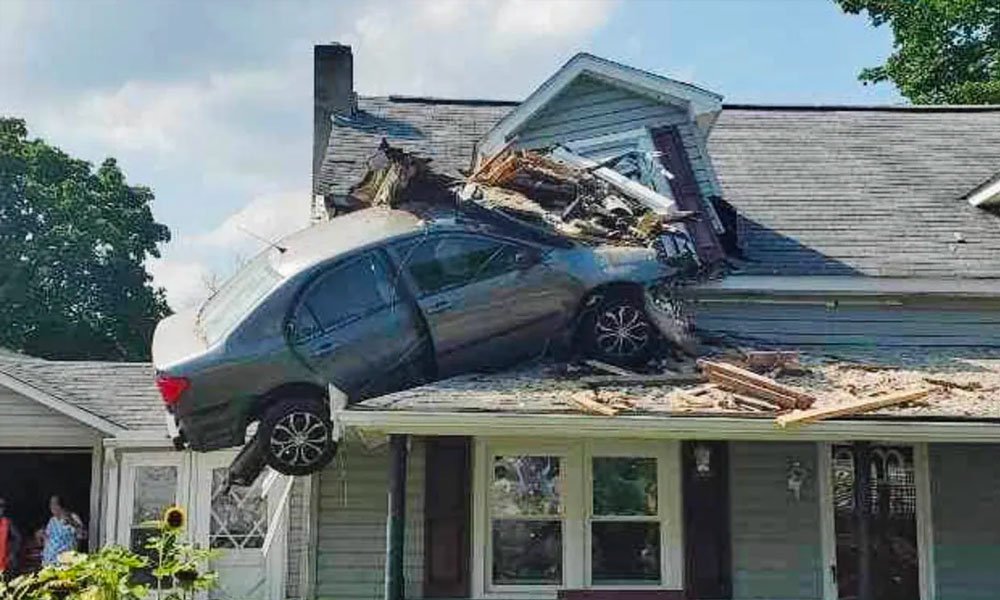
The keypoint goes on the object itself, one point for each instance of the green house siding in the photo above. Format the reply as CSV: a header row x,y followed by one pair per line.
x,y
350,554
777,548
965,502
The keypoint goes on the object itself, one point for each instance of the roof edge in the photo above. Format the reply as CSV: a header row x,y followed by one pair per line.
x,y
909,108
61,406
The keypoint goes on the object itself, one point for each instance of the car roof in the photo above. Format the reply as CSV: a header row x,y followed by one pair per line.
x,y
341,235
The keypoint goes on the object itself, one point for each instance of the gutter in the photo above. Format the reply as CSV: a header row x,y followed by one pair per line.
x,y
882,428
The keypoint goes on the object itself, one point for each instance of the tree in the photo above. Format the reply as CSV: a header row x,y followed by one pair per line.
x,y
73,242
946,51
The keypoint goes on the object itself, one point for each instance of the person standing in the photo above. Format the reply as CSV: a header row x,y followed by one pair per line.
x,y
10,541
61,533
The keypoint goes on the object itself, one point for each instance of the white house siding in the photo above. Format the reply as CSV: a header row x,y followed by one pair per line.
x,y
25,423
776,542
353,504
814,323
965,494
588,108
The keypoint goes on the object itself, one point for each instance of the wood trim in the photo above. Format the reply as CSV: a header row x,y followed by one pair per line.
x,y
925,521
818,285
636,594
828,536
96,497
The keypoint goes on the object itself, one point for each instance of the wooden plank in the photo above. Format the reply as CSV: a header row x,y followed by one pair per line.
x,y
947,383
734,372
734,384
673,379
585,402
800,417
603,366
755,403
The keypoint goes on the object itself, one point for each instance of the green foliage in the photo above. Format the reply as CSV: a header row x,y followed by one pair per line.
x,y
946,51
111,573
73,242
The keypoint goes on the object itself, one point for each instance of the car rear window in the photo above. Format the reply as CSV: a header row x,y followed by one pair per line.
x,y
225,308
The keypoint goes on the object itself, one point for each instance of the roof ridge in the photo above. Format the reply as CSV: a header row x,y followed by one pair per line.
x,y
406,99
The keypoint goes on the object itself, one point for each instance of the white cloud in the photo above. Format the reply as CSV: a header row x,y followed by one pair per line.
x,y
271,217
186,282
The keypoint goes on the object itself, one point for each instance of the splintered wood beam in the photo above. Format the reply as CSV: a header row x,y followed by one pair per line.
x,y
864,405
607,368
746,388
626,380
803,399
585,402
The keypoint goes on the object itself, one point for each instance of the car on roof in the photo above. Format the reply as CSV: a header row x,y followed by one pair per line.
x,y
377,301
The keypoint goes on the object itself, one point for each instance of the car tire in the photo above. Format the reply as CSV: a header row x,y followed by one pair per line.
x,y
297,436
617,330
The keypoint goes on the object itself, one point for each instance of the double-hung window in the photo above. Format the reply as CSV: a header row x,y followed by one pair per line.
x,y
575,515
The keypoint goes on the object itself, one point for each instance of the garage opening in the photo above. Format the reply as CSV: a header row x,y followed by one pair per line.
x,y
29,479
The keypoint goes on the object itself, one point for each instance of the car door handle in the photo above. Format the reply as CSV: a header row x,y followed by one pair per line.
x,y
323,348
438,306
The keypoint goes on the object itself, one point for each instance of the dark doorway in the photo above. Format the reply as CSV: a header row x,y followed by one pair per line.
x,y
28,479
875,516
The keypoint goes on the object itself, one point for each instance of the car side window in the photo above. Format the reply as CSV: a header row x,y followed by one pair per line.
x,y
346,293
450,261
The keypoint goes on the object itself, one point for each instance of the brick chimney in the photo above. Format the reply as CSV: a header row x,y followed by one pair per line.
x,y
333,93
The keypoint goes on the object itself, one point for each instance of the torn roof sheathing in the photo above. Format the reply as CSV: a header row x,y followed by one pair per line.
x,y
962,387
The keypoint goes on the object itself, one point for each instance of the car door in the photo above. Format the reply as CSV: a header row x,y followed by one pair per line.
x,y
354,328
487,301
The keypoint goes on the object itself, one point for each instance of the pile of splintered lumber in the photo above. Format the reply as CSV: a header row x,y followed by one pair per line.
x,y
720,384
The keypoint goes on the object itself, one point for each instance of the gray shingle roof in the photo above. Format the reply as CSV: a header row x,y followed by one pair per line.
x,y
822,190
872,192
122,393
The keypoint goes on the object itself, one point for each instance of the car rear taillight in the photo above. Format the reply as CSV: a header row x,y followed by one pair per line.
x,y
171,388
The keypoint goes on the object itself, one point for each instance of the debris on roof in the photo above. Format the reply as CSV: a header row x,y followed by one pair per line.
x,y
558,192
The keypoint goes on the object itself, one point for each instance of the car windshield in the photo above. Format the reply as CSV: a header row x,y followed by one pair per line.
x,y
225,308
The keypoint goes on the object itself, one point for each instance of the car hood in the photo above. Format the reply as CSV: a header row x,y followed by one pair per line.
x,y
176,340
606,264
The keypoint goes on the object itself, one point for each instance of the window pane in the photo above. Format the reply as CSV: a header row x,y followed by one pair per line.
x,y
349,292
527,552
237,296
525,485
624,486
452,261
155,490
625,552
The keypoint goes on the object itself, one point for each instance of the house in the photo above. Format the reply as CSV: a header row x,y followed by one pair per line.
x,y
94,433
871,233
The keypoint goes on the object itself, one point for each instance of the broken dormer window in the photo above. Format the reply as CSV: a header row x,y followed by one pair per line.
x,y
729,238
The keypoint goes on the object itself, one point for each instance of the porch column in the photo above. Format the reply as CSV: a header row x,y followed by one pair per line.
x,y
862,511
396,521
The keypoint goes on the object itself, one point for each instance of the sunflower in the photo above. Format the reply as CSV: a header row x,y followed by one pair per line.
x,y
174,518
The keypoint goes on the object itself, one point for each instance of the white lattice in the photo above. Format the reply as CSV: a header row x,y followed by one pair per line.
x,y
238,515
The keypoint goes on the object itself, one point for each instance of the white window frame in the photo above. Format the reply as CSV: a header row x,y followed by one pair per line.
x,y
925,528
576,471
132,461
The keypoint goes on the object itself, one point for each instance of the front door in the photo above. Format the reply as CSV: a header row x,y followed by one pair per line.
x,y
238,523
487,301
875,519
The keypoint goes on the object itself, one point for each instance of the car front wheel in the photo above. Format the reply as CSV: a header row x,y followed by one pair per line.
x,y
297,437
618,330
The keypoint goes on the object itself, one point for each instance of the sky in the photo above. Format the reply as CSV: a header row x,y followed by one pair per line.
x,y
209,102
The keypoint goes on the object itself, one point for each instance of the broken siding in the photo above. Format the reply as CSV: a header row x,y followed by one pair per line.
x,y
776,544
350,553
588,108
965,493
26,422
786,323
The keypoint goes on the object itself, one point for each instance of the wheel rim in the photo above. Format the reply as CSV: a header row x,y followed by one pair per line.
x,y
299,439
621,331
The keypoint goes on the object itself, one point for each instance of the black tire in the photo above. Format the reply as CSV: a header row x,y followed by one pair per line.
x,y
617,330
296,436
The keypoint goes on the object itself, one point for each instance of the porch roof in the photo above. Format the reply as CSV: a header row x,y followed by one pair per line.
x,y
123,395
967,388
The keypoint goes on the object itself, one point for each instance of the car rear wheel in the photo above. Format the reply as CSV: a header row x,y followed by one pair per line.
x,y
618,330
297,437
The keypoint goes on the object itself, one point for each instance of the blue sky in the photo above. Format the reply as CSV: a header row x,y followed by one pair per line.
x,y
209,103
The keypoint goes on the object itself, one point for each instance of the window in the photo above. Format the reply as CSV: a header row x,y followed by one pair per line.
x,y
154,490
347,293
577,515
444,262
224,309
